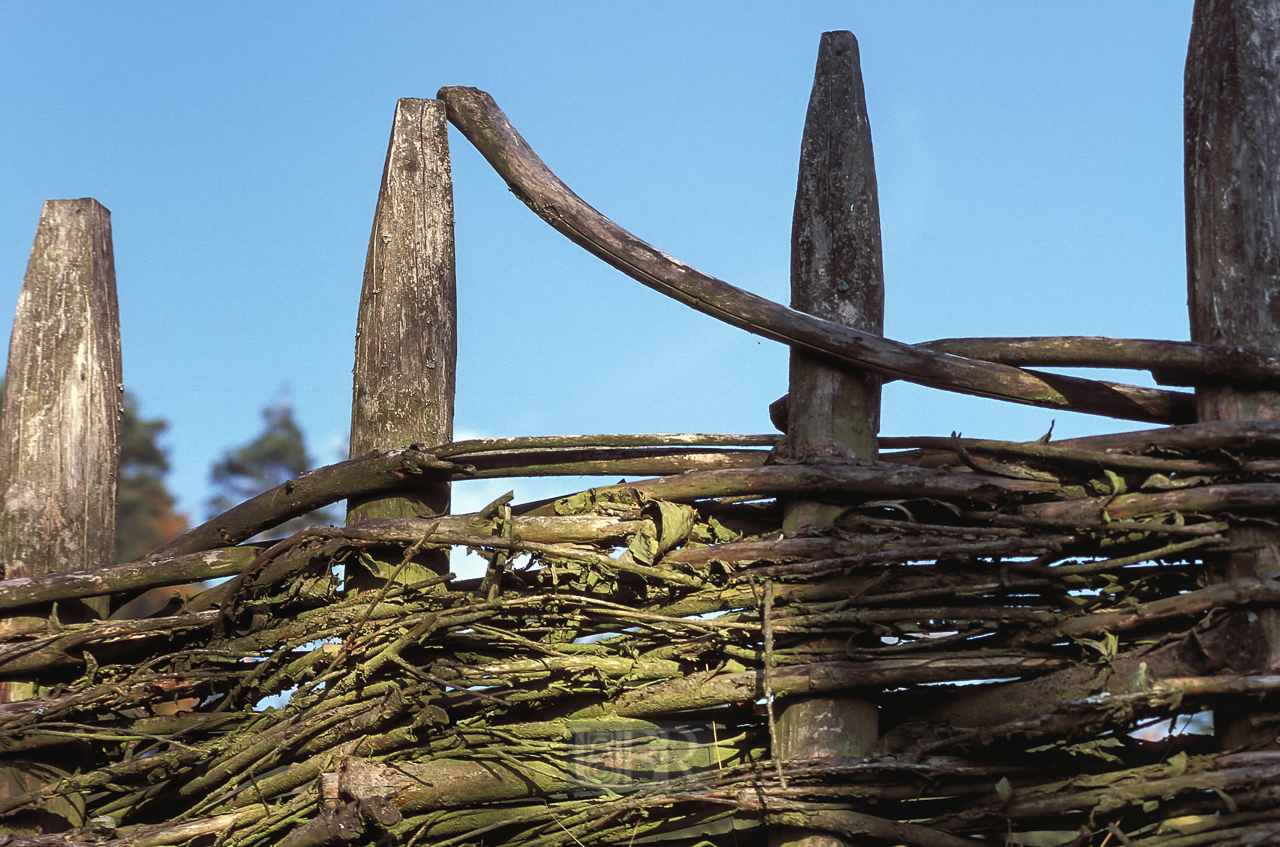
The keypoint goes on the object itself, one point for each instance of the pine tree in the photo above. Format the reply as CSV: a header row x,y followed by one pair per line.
x,y
145,514
276,456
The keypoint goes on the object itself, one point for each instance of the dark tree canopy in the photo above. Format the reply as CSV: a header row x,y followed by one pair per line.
x,y
145,514
277,455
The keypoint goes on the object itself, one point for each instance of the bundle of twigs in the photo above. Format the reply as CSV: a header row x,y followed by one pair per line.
x,y
1017,611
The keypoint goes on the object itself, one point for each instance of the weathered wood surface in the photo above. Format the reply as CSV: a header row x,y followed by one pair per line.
x,y
1167,448
470,448
1232,121
1170,362
609,462
1233,225
183,561
60,435
443,678
729,472
405,471
60,442
133,576
837,273
605,455
869,480
1233,197
1206,437
450,696
474,113
406,333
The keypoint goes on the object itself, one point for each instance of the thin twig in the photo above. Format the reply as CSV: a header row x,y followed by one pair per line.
x,y
766,627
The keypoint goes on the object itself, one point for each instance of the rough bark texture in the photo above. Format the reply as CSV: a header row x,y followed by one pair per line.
x,y
631,655
374,473
406,336
142,574
608,690
1233,248
834,481
1233,195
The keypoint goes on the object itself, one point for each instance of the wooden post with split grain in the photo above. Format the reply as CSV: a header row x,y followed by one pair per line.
x,y
834,413
406,334
60,434
1232,125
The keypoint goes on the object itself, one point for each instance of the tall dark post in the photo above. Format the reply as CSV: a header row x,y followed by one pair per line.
x,y
1233,254
836,267
834,413
406,334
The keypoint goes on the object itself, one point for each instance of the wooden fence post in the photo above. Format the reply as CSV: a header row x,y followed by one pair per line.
x,y
60,430
834,413
406,335
1232,125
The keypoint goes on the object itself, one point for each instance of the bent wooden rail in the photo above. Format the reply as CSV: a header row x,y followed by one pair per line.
x,y
485,125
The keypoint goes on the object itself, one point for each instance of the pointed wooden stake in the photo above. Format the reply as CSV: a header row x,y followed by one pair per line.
x,y
60,439
406,336
837,274
60,435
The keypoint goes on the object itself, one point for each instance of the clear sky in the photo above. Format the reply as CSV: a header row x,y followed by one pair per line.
x,y
1029,158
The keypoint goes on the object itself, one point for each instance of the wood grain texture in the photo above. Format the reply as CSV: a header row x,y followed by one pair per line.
x,y
60,436
375,473
406,337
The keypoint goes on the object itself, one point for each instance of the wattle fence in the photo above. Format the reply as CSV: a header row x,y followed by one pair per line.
x,y
820,637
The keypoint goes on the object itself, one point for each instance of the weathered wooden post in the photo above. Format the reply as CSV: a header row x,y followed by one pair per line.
x,y
834,414
1232,125
406,335
60,431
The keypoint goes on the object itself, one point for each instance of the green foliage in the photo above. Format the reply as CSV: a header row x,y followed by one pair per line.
x,y
145,515
276,456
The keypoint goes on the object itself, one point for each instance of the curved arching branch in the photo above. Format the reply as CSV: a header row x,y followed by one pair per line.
x,y
478,117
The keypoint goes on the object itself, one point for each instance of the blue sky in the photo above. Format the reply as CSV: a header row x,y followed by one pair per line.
x,y
1029,158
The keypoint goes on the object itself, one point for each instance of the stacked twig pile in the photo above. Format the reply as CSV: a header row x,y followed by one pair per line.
x,y
607,680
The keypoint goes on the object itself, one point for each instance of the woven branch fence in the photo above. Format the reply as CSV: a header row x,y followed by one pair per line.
x,y
1054,642
607,679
